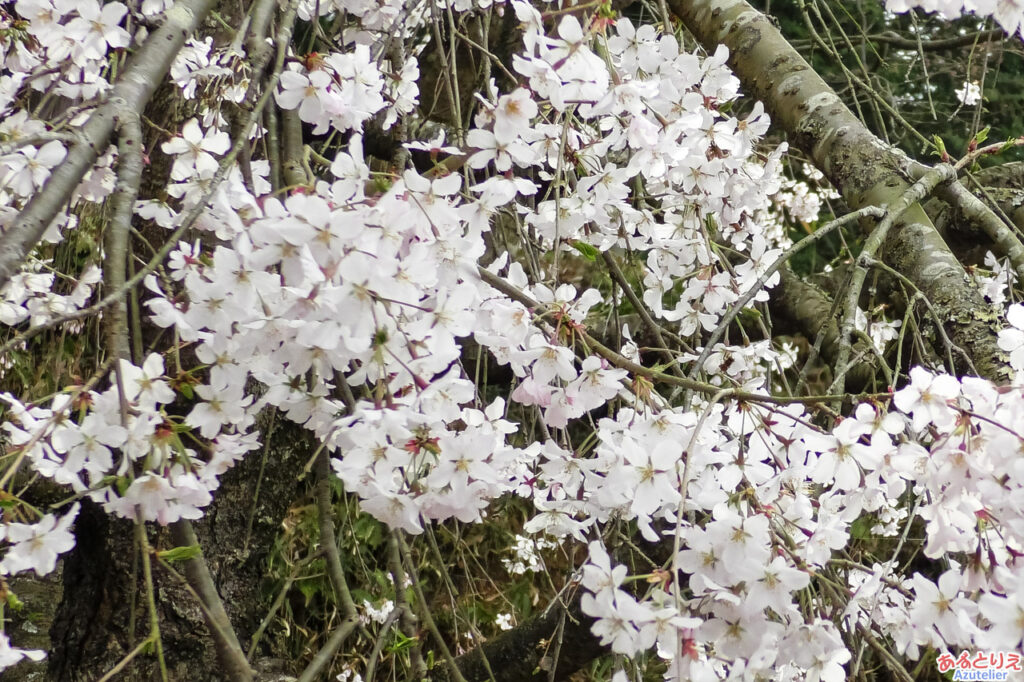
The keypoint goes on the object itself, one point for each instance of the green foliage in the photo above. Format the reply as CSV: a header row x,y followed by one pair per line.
x,y
588,251
460,568
180,553
915,83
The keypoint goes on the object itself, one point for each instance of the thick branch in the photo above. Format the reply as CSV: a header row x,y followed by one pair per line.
x,y
521,654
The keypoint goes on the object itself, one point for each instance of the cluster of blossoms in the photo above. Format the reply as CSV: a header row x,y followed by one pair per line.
x,y
30,296
997,281
26,167
953,444
199,67
802,199
339,90
527,554
61,49
74,36
969,94
124,451
375,615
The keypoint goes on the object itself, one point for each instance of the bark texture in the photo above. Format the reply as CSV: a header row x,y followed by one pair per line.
x,y
864,169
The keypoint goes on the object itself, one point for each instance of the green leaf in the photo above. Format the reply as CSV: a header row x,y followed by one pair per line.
x,y
180,553
309,589
185,389
750,315
861,528
710,224
368,530
589,251
120,482
982,134
401,643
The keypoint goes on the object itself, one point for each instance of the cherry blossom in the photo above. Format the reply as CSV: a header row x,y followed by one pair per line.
x,y
36,546
194,150
10,655
95,28
1009,14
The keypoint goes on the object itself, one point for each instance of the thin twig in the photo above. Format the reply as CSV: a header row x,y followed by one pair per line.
x,y
126,660
425,615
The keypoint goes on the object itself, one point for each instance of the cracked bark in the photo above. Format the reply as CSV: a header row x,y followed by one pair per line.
x,y
865,170
91,630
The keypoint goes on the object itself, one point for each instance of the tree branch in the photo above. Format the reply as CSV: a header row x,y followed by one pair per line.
x,y
521,654
229,650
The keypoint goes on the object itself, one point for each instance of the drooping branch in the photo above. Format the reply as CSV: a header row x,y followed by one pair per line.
x,y
816,320
939,175
901,43
115,238
965,209
143,74
229,651
335,571
865,170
